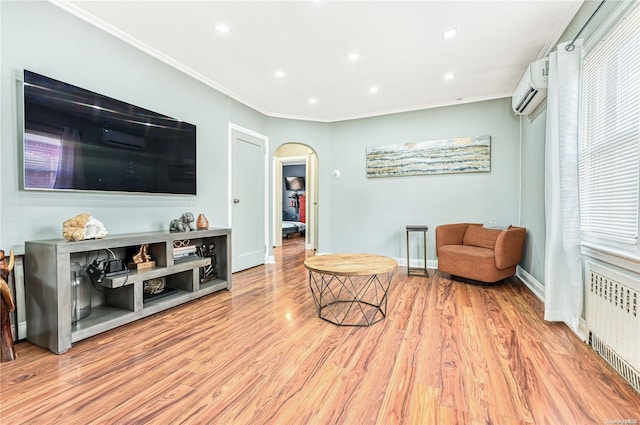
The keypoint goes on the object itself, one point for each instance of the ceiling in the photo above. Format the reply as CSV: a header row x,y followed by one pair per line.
x,y
401,48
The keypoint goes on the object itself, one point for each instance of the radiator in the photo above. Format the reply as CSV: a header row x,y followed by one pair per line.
x,y
612,313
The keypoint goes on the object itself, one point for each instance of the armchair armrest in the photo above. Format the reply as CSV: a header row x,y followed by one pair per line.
x,y
510,247
449,234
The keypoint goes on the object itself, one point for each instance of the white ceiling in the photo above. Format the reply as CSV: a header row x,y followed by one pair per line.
x,y
401,47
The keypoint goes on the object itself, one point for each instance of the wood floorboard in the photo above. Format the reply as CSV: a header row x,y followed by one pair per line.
x,y
447,353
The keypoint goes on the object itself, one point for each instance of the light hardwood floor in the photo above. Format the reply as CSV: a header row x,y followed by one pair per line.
x,y
447,353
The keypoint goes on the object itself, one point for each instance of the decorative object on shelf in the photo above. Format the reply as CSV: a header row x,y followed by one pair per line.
x,y
154,286
7,349
80,293
99,269
183,224
83,226
445,156
202,222
296,201
184,250
209,272
142,259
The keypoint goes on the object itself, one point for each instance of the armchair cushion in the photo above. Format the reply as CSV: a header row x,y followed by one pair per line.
x,y
510,247
471,262
449,234
479,236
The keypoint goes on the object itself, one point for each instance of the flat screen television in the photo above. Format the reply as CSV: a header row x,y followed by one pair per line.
x,y
75,139
294,183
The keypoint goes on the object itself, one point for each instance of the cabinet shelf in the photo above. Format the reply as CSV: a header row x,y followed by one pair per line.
x,y
101,318
213,285
162,303
151,273
121,299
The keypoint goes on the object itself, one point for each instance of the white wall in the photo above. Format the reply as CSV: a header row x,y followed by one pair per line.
x,y
373,213
533,195
43,38
359,214
317,136
355,213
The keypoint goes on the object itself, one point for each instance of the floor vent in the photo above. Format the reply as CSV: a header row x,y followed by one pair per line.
x,y
618,363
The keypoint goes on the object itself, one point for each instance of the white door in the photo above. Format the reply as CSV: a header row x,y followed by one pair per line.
x,y
248,200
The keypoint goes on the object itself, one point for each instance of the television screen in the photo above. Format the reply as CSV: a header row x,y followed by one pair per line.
x,y
75,139
294,183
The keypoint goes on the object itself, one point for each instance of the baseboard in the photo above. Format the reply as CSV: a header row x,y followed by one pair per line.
x,y
431,264
402,262
531,282
583,331
538,290
22,331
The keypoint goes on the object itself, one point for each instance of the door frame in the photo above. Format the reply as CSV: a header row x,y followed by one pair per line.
x,y
230,128
279,163
311,177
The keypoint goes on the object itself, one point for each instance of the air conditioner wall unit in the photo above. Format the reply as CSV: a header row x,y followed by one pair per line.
x,y
532,88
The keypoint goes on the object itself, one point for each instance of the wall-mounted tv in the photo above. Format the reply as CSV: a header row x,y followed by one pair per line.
x,y
294,183
75,139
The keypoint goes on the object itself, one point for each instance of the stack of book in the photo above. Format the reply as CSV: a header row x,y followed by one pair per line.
x,y
184,253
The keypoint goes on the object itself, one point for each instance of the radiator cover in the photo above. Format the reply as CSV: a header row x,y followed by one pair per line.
x,y
612,313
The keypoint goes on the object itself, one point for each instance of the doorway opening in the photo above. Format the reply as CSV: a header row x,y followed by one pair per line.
x,y
295,189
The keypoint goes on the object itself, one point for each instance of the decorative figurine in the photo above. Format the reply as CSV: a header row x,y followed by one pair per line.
x,y
183,224
202,223
209,272
142,259
83,226
142,256
7,350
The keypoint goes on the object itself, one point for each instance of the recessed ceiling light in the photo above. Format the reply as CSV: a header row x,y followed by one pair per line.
x,y
313,100
373,89
353,56
449,33
222,28
279,74
449,76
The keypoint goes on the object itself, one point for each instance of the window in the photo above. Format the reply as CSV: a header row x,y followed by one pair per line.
x,y
609,150
41,159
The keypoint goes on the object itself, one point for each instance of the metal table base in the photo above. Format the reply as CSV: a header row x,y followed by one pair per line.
x,y
417,271
350,300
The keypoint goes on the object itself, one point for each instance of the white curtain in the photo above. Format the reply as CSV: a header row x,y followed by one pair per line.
x,y
563,266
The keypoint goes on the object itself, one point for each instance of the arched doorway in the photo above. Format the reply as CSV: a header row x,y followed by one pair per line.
x,y
288,205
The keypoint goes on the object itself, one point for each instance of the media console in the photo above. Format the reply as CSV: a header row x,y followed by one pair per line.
x,y
119,299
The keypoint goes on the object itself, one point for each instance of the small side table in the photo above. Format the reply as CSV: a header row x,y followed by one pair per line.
x,y
417,271
350,289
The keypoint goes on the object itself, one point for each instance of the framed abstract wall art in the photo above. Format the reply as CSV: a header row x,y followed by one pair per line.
x,y
445,156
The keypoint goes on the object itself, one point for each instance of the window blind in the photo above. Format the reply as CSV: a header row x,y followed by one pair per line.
x,y
609,150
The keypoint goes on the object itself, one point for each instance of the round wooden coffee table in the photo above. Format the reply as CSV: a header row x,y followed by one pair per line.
x,y
350,289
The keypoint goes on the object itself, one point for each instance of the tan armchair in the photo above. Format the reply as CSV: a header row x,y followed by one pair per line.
x,y
486,255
